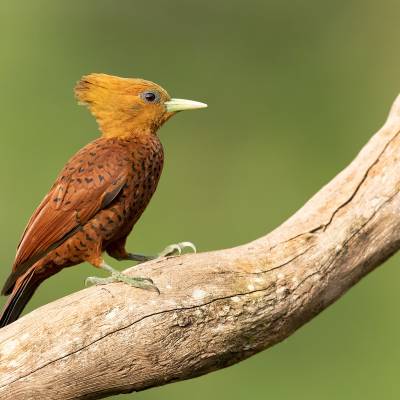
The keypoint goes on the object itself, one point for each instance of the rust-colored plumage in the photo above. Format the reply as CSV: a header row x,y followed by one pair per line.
x,y
102,190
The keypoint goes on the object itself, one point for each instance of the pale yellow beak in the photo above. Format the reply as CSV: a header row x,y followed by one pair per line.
x,y
174,105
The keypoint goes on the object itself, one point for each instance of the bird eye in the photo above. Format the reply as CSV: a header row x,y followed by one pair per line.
x,y
150,96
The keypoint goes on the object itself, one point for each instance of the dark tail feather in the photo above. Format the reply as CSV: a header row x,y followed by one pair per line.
x,y
21,294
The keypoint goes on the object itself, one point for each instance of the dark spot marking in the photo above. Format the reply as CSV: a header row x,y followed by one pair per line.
x,y
88,237
92,154
88,180
101,178
81,169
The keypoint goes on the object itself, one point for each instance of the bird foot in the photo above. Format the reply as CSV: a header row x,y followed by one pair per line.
x,y
171,250
116,276
176,249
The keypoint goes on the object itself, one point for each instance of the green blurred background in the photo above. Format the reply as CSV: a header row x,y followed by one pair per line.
x,y
294,88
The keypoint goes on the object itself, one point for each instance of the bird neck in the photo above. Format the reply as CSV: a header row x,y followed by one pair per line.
x,y
125,125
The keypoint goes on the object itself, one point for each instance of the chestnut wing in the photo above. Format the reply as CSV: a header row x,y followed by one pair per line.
x,y
89,182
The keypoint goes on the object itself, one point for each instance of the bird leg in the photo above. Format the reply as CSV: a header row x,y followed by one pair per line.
x,y
116,276
138,257
171,250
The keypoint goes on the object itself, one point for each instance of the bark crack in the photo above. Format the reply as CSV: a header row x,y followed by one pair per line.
x,y
364,178
178,309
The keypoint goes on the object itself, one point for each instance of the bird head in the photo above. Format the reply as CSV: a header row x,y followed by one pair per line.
x,y
127,106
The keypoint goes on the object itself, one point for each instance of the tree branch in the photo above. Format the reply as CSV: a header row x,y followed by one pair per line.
x,y
215,308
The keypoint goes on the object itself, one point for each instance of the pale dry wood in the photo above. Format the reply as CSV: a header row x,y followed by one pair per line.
x,y
215,308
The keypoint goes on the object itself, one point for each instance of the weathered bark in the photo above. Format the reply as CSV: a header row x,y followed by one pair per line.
x,y
214,308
